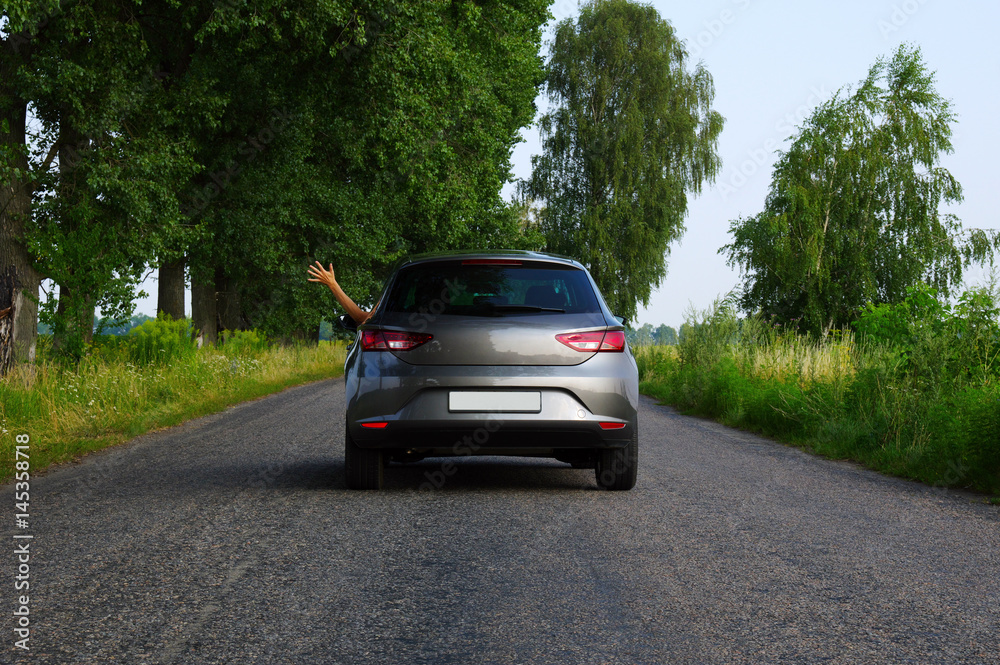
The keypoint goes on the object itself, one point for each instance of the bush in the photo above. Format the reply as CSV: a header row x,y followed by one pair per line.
x,y
943,348
707,336
917,396
244,343
160,341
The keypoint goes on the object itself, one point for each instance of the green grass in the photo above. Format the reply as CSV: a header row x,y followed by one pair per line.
x,y
837,397
117,391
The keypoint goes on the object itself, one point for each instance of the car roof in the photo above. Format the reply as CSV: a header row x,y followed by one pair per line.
x,y
427,257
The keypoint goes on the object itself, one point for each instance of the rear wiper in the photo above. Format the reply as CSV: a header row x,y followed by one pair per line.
x,y
525,308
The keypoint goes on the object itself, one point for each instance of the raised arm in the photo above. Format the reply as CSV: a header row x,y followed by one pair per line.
x,y
324,276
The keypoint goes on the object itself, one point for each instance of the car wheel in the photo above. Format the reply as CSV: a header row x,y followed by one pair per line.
x,y
363,467
616,468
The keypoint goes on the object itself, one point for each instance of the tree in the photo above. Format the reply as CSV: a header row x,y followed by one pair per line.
x,y
644,335
631,132
19,280
95,179
345,132
853,213
399,141
665,335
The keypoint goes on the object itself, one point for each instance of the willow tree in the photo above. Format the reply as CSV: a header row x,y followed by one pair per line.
x,y
854,211
630,133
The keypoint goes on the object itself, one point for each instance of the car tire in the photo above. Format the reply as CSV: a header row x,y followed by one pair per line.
x,y
616,468
363,467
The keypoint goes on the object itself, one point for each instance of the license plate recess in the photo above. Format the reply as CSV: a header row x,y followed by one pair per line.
x,y
495,401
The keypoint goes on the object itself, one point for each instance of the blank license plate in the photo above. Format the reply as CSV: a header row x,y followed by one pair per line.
x,y
495,401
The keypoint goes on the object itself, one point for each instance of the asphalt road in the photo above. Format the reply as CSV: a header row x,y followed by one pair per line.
x,y
231,539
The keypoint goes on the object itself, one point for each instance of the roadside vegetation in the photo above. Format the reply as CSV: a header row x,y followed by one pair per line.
x,y
912,391
856,344
154,377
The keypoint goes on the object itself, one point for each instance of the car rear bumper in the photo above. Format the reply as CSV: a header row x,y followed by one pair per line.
x,y
395,405
491,434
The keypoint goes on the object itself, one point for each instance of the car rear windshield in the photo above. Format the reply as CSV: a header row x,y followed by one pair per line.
x,y
475,288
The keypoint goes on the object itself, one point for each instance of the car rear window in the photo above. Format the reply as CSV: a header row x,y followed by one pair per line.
x,y
470,288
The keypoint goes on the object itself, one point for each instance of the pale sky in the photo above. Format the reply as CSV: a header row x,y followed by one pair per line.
x,y
773,61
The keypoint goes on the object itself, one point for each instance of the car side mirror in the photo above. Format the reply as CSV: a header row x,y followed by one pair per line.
x,y
620,320
347,323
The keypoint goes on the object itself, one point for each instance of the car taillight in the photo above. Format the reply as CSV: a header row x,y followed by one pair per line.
x,y
391,340
591,342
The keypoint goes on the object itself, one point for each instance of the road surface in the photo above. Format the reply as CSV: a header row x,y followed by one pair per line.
x,y
231,539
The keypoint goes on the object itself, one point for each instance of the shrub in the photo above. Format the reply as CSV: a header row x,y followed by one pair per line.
x,y
160,341
244,343
707,336
944,348
916,395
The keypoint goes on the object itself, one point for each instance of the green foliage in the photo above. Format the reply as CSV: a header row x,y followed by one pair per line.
x,y
160,342
918,395
105,399
397,124
896,324
641,337
853,215
111,146
349,133
632,132
326,332
111,326
646,335
244,343
665,335
709,334
942,347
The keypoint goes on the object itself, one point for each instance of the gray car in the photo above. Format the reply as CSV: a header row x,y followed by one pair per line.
x,y
499,353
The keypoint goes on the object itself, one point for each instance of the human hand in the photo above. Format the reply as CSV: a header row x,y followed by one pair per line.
x,y
322,275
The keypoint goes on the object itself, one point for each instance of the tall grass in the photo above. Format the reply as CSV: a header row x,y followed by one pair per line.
x,y
925,407
152,378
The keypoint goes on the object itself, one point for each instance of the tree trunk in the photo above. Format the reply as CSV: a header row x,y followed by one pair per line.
x,y
204,312
170,290
15,207
76,307
80,321
6,322
310,335
228,299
